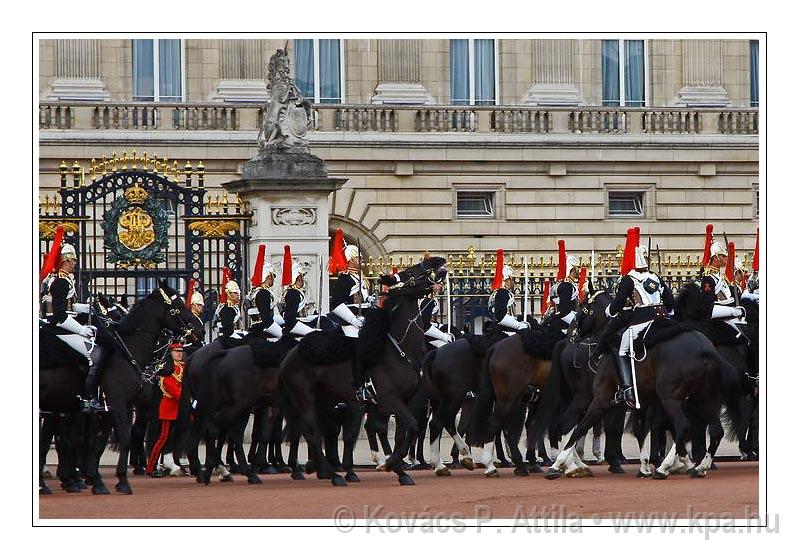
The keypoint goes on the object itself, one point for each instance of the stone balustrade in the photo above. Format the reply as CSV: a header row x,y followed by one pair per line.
x,y
406,118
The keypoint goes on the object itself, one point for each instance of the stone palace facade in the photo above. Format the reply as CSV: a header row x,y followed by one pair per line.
x,y
448,145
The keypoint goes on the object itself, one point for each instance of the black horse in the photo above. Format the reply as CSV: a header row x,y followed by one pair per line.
x,y
161,313
397,355
682,376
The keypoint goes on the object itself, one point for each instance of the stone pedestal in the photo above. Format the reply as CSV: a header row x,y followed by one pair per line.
x,y
288,193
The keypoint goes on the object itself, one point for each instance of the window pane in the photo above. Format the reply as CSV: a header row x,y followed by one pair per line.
x,y
634,73
754,73
329,71
625,204
459,71
484,72
169,69
143,70
472,204
610,73
304,66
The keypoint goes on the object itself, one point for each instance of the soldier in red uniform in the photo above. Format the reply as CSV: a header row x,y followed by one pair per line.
x,y
167,414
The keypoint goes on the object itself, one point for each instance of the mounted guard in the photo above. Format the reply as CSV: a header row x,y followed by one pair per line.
x,y
228,318
501,302
564,295
59,309
351,294
196,304
264,317
716,288
429,307
294,296
642,297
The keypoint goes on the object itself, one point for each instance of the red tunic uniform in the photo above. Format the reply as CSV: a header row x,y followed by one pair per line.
x,y
171,388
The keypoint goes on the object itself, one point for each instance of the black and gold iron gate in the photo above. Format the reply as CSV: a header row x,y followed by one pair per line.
x,y
139,219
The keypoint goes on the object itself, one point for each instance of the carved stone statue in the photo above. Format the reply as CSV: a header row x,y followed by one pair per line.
x,y
287,114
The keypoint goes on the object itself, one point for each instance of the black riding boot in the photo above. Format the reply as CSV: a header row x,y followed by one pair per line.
x,y
92,385
625,393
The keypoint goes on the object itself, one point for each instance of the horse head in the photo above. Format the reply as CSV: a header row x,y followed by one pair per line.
x,y
415,281
175,316
591,315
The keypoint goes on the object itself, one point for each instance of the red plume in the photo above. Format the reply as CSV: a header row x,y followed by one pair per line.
x,y
707,249
581,283
629,257
189,292
256,279
286,279
226,276
562,261
53,259
545,296
497,281
337,262
729,269
755,254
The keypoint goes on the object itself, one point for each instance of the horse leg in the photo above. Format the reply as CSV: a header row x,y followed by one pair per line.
x,y
444,410
46,433
458,440
350,429
294,449
305,401
277,444
614,422
512,432
715,435
236,441
567,459
99,432
122,424
495,423
405,418
680,429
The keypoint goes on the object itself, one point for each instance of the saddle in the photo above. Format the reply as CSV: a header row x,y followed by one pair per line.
x,y
54,352
540,341
266,353
481,343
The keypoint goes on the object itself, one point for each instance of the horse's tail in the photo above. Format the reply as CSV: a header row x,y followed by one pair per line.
x,y
427,364
291,414
478,422
731,388
551,397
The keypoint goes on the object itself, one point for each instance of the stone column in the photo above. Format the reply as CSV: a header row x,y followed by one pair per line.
x,y
288,192
553,74
702,75
78,72
242,63
399,75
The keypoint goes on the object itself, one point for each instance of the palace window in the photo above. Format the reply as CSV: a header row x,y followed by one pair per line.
x,y
158,70
473,72
318,69
624,81
625,203
475,204
754,73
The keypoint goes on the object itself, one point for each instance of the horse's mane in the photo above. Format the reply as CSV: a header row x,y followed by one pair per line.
x,y
690,305
135,314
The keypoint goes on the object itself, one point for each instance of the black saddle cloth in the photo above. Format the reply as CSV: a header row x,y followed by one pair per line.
x,y
540,341
480,343
322,348
54,352
266,353
229,342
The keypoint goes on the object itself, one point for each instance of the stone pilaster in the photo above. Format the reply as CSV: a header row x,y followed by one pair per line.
x,y
399,73
242,70
702,75
553,74
78,72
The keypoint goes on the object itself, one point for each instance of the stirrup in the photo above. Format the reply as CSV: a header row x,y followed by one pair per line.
x,y
624,395
366,393
92,405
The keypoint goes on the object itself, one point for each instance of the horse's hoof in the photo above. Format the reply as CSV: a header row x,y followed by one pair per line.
x,y
455,464
405,480
382,468
204,477
616,469
696,473
713,466
534,468
658,475
253,479
99,489
640,474
521,471
226,478
284,469
139,471
492,474
442,471
81,484
352,477
47,474
123,488
553,474
338,481
468,463
297,475
579,473
270,469
44,490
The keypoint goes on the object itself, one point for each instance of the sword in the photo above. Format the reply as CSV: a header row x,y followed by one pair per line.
x,y
593,266
633,373
319,301
525,296
360,281
449,304
734,289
